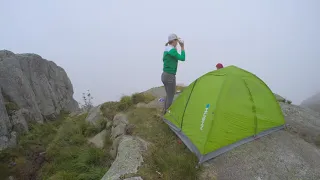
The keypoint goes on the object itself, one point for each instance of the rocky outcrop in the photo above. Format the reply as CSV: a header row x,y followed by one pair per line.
x,y
129,158
312,102
31,89
125,149
303,122
95,115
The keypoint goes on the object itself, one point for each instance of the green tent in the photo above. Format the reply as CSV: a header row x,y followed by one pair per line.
x,y
223,109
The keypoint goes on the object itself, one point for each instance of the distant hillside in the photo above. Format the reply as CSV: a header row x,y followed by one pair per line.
x,y
312,102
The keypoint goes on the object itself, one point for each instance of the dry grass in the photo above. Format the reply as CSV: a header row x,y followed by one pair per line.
x,y
166,158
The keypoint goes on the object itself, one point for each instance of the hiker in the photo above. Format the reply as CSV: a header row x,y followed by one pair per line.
x,y
170,64
219,66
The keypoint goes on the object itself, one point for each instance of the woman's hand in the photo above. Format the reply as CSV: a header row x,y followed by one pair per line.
x,y
181,43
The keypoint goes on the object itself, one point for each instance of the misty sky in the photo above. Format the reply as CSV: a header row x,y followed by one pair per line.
x,y
115,47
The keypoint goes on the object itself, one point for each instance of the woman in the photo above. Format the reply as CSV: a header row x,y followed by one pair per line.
x,y
170,64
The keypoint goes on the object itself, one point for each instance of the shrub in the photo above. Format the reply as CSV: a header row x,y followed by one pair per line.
x,y
142,97
289,102
125,103
110,109
87,100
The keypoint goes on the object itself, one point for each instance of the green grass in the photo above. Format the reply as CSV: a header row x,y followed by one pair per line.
x,y
68,154
165,159
110,109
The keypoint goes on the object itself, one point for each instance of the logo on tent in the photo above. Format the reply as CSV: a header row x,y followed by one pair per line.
x,y
204,116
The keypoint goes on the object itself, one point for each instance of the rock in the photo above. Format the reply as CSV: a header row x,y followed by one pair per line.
x,y
94,115
134,178
119,125
129,129
99,139
141,105
38,86
114,148
109,125
19,120
129,158
5,124
302,121
118,131
11,178
279,98
312,102
157,92
277,156
153,104
120,118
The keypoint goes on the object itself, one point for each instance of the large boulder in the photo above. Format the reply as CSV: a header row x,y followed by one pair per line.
x,y
129,158
37,86
312,102
95,115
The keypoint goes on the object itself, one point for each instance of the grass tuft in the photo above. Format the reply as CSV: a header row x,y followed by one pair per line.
x,y
165,159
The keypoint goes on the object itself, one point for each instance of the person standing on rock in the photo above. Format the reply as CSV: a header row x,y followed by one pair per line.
x,y
170,64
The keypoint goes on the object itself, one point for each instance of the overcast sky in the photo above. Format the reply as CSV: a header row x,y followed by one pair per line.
x,y
115,47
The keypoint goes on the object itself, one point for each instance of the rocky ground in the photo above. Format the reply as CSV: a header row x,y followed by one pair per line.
x,y
288,154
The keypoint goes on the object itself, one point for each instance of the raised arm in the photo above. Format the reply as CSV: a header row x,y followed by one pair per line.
x,y
173,52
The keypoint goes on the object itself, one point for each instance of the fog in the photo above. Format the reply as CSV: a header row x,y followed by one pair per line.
x,y
114,48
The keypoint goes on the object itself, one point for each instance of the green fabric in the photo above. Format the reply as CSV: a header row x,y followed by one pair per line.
x,y
171,58
238,103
